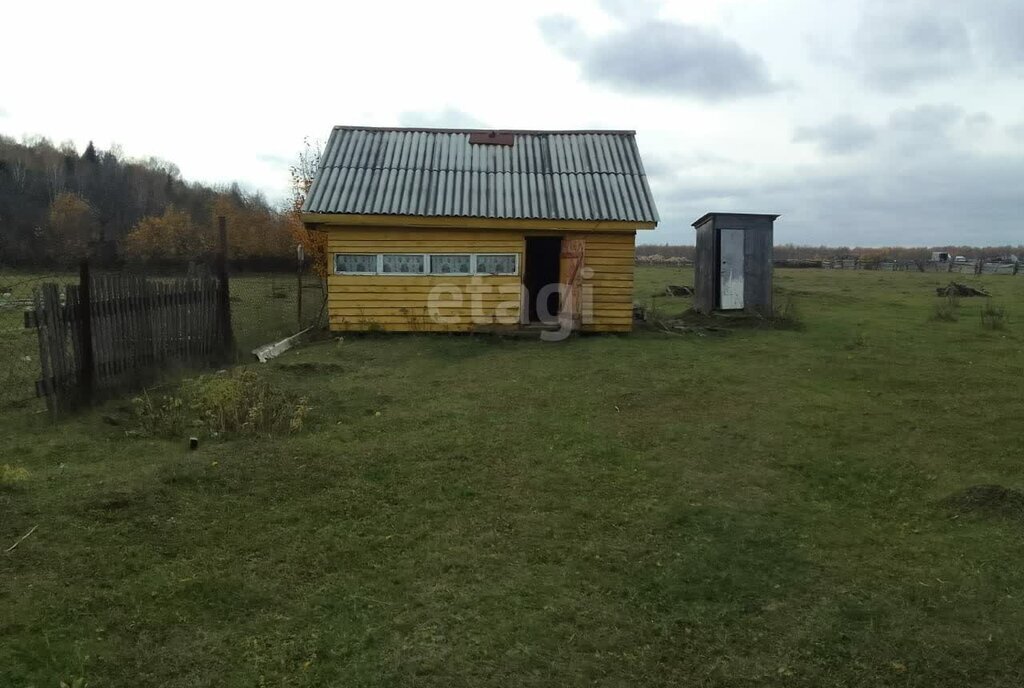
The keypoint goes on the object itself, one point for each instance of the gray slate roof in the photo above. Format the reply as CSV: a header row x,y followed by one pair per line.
x,y
554,175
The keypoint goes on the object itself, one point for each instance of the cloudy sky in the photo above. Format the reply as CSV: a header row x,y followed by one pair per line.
x,y
866,122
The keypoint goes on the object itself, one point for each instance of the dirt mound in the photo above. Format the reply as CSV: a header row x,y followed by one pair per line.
x,y
960,289
987,500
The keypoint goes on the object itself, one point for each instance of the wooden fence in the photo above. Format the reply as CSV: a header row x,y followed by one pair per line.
x,y
116,332
965,267
999,268
970,267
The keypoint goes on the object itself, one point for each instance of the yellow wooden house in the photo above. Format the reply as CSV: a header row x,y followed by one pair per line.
x,y
462,230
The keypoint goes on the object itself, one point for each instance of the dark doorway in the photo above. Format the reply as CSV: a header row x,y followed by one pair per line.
x,y
542,255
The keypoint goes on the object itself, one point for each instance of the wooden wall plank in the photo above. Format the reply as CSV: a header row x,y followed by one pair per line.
x,y
705,268
418,297
57,348
46,386
344,326
74,324
757,260
421,280
484,314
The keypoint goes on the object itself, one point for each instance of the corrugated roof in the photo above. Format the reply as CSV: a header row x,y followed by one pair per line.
x,y
553,175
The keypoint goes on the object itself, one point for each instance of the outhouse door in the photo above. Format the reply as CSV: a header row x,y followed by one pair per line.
x,y
731,272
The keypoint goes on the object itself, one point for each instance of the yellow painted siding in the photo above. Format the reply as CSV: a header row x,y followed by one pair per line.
x,y
403,303
414,303
608,262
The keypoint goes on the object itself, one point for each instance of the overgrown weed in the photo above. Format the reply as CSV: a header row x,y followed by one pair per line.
x,y
240,402
947,310
993,317
11,476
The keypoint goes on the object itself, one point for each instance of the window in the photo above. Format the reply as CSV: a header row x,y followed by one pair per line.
x,y
355,263
426,263
451,264
403,263
497,264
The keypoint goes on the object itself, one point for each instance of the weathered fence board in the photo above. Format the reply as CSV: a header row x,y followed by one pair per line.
x,y
119,331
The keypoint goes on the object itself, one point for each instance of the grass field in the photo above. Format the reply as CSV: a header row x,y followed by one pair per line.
x,y
758,507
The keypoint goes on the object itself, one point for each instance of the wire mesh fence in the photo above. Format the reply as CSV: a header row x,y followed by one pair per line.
x,y
266,307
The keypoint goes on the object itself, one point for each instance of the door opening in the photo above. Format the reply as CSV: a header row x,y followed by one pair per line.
x,y
540,271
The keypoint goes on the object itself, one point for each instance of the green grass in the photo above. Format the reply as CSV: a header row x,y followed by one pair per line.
x,y
757,508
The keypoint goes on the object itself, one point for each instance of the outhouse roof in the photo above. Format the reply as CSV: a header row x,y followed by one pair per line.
x,y
753,216
507,174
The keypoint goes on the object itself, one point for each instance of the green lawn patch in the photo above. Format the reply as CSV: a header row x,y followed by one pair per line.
x,y
772,507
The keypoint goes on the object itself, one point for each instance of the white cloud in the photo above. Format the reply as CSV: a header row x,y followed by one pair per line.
x,y
663,58
840,135
902,44
447,118
631,10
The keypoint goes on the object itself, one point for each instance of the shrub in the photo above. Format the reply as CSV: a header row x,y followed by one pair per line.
x,y
993,317
237,403
947,309
653,312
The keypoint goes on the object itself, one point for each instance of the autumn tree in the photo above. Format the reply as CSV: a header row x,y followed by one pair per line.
x,y
172,236
71,227
255,233
302,174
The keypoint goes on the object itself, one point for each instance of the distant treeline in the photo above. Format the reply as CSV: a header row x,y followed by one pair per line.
x,y
793,252
58,205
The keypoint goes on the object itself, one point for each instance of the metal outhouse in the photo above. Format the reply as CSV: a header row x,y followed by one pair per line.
x,y
733,265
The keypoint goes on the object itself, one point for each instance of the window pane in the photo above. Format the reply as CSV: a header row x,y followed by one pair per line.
x,y
504,264
352,262
449,264
410,264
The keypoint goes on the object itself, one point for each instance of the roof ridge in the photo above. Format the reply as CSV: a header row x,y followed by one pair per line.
x,y
445,130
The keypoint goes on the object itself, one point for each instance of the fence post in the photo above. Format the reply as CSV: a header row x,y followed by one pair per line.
x,y
298,298
224,296
86,366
